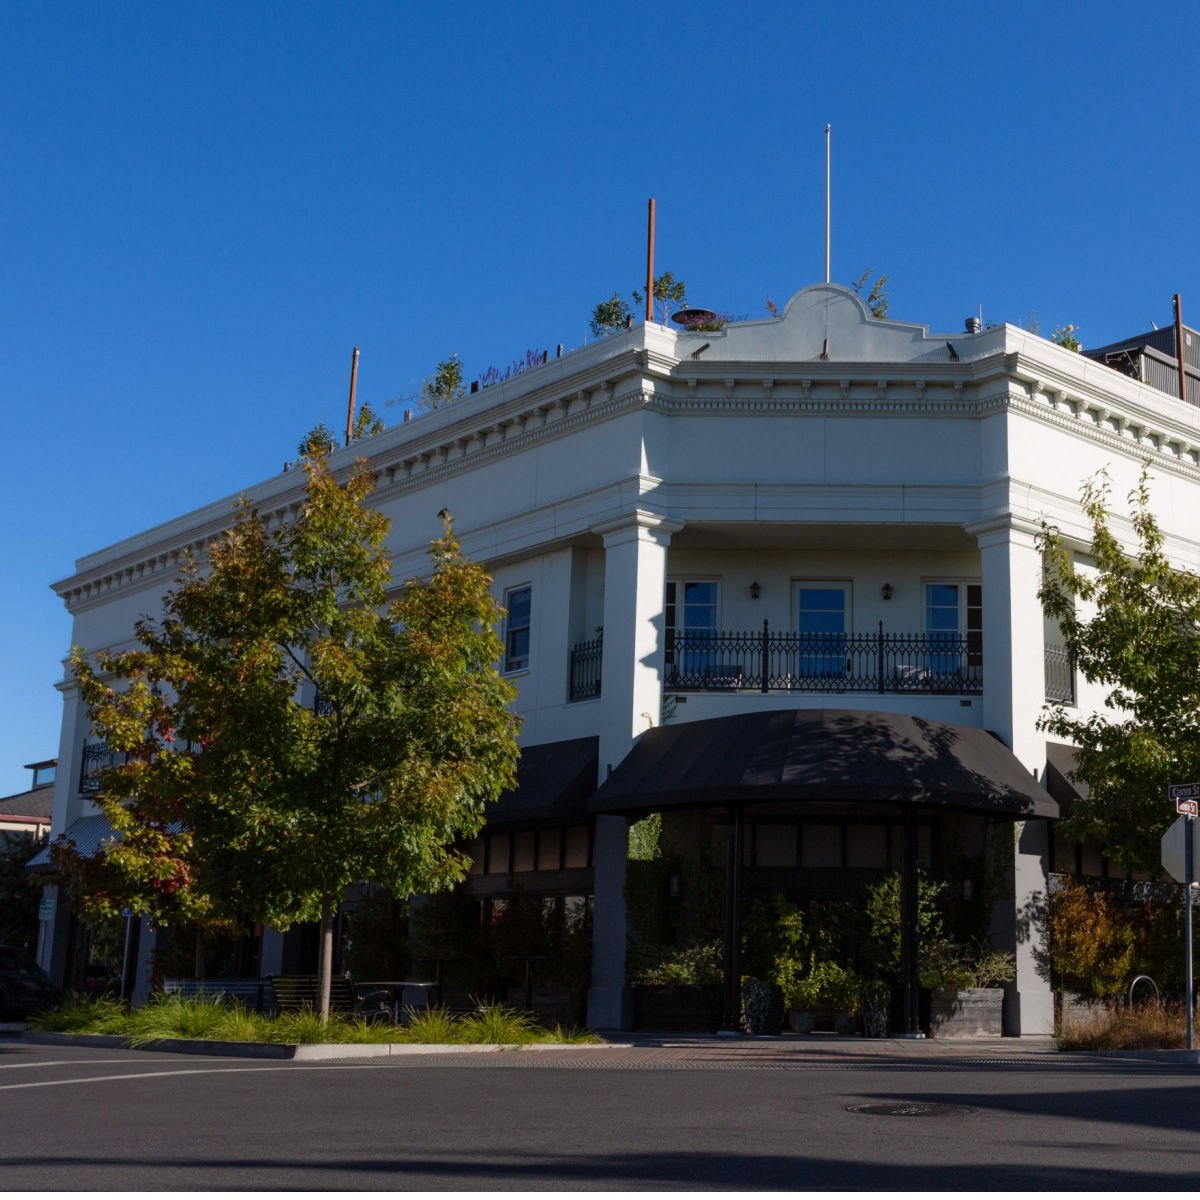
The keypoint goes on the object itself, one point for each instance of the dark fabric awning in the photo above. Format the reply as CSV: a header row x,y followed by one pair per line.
x,y
1061,760
88,834
554,781
823,755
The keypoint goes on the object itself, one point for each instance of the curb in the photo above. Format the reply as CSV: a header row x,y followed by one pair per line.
x,y
301,1052
1188,1057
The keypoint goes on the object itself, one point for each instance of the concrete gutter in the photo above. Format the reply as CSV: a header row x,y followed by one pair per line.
x,y
310,1051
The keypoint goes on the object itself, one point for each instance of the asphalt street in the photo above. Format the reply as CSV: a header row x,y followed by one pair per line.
x,y
595,1118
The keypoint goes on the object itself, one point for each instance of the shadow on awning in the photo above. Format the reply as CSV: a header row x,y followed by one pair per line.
x,y
838,755
554,781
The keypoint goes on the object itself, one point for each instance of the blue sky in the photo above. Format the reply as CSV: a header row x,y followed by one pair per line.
x,y
205,206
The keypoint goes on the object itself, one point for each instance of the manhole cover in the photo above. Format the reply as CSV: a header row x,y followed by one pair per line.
x,y
912,1108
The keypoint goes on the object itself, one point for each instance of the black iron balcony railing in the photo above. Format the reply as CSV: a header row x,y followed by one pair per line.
x,y
711,660
1060,676
825,662
96,756
585,669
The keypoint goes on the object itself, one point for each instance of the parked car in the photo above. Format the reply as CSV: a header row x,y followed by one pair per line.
x,y
24,986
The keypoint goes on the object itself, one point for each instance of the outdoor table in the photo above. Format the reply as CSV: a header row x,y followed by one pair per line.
x,y
396,988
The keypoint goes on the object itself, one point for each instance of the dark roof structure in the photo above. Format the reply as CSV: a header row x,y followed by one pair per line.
x,y
36,805
554,781
812,755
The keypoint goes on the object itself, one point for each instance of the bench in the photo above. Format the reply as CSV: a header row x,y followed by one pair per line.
x,y
252,992
296,992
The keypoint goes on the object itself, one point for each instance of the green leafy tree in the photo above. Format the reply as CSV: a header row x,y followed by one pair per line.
x,y
367,424
610,315
243,795
319,440
1143,646
669,294
444,386
19,891
877,297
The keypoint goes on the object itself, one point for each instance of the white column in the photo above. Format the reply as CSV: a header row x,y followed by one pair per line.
x,y
635,578
1013,698
52,935
635,582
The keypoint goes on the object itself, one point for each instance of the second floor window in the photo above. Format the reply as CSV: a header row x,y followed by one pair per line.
x,y
691,608
518,602
954,617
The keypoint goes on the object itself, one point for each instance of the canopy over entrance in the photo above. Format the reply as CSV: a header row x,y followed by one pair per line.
x,y
827,754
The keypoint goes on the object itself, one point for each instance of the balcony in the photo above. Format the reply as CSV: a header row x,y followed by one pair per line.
x,y
1060,676
932,663
585,670
96,757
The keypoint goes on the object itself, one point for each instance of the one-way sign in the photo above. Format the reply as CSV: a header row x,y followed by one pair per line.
x,y
1186,797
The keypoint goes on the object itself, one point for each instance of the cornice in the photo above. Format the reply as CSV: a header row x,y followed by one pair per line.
x,y
651,378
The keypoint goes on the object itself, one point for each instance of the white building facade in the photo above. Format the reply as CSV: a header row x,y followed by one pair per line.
x,y
816,513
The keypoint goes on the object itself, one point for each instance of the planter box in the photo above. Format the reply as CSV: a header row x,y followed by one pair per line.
x,y
969,1012
1072,1007
677,1008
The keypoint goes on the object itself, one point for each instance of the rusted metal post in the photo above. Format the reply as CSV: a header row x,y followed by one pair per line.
x,y
353,389
650,264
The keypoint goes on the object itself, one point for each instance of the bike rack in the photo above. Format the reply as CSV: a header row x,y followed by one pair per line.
x,y
1138,979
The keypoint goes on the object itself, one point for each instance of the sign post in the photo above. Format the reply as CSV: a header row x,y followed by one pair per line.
x,y
1187,801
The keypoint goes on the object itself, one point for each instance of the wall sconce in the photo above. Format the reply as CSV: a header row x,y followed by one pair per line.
x,y
968,890
886,591
755,590
673,885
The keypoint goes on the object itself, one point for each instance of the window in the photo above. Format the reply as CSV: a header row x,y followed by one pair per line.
x,y
954,625
821,626
518,602
691,620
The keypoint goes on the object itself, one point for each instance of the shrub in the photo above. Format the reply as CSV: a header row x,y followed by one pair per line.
x,y
1091,940
1151,1026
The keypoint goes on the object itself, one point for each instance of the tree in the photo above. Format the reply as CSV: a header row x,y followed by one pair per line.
x,y
1143,646
610,315
19,891
367,423
444,386
669,294
877,297
289,731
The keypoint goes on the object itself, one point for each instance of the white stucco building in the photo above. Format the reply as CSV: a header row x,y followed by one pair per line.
x,y
816,531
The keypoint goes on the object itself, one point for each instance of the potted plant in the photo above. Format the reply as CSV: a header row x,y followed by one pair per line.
x,y
761,1010
677,988
839,990
967,996
801,993
876,1006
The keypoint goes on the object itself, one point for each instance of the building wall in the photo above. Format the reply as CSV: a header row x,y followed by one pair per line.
x,y
744,457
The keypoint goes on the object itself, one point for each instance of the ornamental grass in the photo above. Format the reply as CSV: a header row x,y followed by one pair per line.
x,y
1150,1026
206,1019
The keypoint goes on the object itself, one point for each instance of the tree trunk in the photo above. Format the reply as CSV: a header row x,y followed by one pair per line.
x,y
325,957
198,962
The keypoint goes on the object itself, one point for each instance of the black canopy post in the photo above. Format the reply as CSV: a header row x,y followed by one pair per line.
x,y
908,926
733,923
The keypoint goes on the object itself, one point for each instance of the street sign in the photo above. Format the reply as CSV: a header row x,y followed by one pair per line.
x,y
1186,797
1174,843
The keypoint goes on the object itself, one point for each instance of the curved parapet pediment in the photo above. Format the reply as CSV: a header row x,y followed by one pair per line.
x,y
826,321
